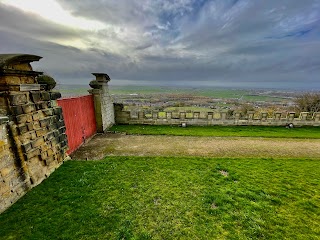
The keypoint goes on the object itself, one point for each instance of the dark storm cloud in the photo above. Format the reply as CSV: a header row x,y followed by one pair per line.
x,y
224,41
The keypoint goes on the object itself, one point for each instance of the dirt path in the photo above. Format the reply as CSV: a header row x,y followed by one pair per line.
x,y
132,145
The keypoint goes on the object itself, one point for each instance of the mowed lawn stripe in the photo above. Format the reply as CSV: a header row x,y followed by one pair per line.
x,y
221,131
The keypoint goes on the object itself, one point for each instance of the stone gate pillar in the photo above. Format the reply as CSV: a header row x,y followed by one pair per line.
x,y
103,103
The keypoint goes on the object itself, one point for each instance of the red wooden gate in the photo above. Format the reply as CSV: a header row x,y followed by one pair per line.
x,y
79,118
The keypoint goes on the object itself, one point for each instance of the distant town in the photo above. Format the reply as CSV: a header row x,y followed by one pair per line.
x,y
194,99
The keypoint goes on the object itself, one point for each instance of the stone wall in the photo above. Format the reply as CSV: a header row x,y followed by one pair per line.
x,y
33,140
214,118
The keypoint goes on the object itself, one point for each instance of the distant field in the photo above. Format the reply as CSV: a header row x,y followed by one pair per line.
x,y
185,109
245,95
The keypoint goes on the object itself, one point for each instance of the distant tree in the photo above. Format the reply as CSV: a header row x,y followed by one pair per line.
x,y
308,102
244,108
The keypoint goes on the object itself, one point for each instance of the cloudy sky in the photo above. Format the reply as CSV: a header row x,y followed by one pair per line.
x,y
240,43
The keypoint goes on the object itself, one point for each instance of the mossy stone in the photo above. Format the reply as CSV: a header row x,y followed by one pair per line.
x,y
49,81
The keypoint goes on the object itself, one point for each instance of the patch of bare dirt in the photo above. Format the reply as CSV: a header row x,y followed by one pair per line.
x,y
133,145
224,173
213,206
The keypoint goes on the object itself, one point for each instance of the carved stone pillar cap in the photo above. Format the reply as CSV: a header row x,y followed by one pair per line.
x,y
8,59
101,77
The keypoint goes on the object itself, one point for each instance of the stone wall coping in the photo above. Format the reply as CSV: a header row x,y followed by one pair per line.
x,y
7,59
4,119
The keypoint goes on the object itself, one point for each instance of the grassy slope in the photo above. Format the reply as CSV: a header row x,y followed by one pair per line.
x,y
221,131
171,198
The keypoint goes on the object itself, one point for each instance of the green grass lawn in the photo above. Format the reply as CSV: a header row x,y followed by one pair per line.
x,y
171,198
221,131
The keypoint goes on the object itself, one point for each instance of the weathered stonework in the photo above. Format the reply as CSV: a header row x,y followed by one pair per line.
x,y
33,139
13,183
214,118
103,102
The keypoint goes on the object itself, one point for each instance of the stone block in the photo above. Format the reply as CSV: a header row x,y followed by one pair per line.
x,y
45,105
44,122
33,135
33,153
30,126
45,146
54,119
36,125
49,160
37,142
304,116
16,110
41,105
291,116
264,116
223,115
23,118
5,172
25,138
316,116
28,108
22,129
48,112
50,152
57,110
35,96
4,189
27,80
182,115
44,155
26,147
41,132
12,80
51,127
18,99
64,143
60,124
62,130
53,103
62,137
49,136
36,116
45,96
56,132
196,115
5,158
5,153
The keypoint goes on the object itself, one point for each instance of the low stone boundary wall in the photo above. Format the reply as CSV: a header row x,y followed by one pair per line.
x,y
214,118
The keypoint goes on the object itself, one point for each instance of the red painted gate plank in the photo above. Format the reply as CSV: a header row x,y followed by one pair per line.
x,y
79,118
